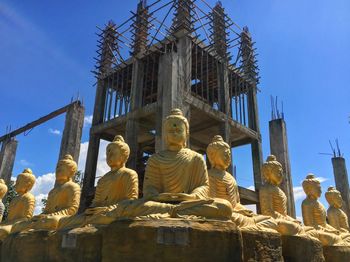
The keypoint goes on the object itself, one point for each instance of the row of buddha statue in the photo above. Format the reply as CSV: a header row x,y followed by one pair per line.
x,y
177,184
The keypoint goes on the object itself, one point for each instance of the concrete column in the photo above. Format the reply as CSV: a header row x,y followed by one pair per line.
x,y
174,81
88,190
132,124
279,148
73,127
342,182
7,159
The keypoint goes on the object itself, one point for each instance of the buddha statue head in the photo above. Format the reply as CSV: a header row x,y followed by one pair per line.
x,y
272,171
65,170
25,181
176,129
3,188
312,186
219,153
117,153
334,198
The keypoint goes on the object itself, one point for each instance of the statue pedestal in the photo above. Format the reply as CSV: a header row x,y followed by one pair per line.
x,y
336,253
261,246
171,240
300,249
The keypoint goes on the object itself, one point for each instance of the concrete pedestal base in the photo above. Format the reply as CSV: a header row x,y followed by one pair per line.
x,y
336,254
301,249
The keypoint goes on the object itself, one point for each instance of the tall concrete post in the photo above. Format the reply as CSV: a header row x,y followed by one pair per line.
x,y
279,148
73,127
342,182
7,159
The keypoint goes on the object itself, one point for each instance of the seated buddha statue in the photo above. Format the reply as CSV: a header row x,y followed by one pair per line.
x,y
336,216
120,183
62,201
314,214
223,185
22,206
3,191
176,182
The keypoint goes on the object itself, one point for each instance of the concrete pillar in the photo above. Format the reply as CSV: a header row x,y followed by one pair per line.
x,y
73,127
7,159
342,182
279,148
174,81
132,124
88,189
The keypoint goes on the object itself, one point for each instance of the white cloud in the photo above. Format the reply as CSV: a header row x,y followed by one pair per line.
x,y
102,167
298,193
322,179
54,131
251,188
251,207
87,120
42,187
25,163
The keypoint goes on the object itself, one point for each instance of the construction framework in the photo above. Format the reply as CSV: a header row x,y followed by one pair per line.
x,y
178,53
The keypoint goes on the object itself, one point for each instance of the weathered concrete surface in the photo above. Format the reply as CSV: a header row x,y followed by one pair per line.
x,y
279,148
77,245
336,254
7,159
261,246
301,249
342,182
73,127
171,240
26,247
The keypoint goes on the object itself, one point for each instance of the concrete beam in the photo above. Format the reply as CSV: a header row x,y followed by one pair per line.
x,y
342,182
7,159
73,127
279,148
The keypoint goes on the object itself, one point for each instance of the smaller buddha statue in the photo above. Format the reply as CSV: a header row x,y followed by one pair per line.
x,y
120,183
21,208
314,214
336,216
63,200
3,191
223,185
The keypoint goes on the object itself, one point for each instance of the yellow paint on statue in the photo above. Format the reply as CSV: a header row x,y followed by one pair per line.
x,y
224,186
22,206
336,216
63,200
119,184
314,214
3,191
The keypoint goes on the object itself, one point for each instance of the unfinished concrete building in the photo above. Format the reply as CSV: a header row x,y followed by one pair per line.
x,y
178,53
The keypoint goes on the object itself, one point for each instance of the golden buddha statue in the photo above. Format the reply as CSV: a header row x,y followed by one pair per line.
x,y
273,201
119,184
314,214
22,206
336,216
223,185
3,191
63,200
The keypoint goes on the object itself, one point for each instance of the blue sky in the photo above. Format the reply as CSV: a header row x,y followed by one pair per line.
x,y
47,50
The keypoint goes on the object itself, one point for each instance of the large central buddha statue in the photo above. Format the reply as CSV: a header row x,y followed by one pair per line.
x,y
63,200
223,185
336,216
22,206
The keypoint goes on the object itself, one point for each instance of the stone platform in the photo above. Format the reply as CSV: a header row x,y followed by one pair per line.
x,y
158,240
